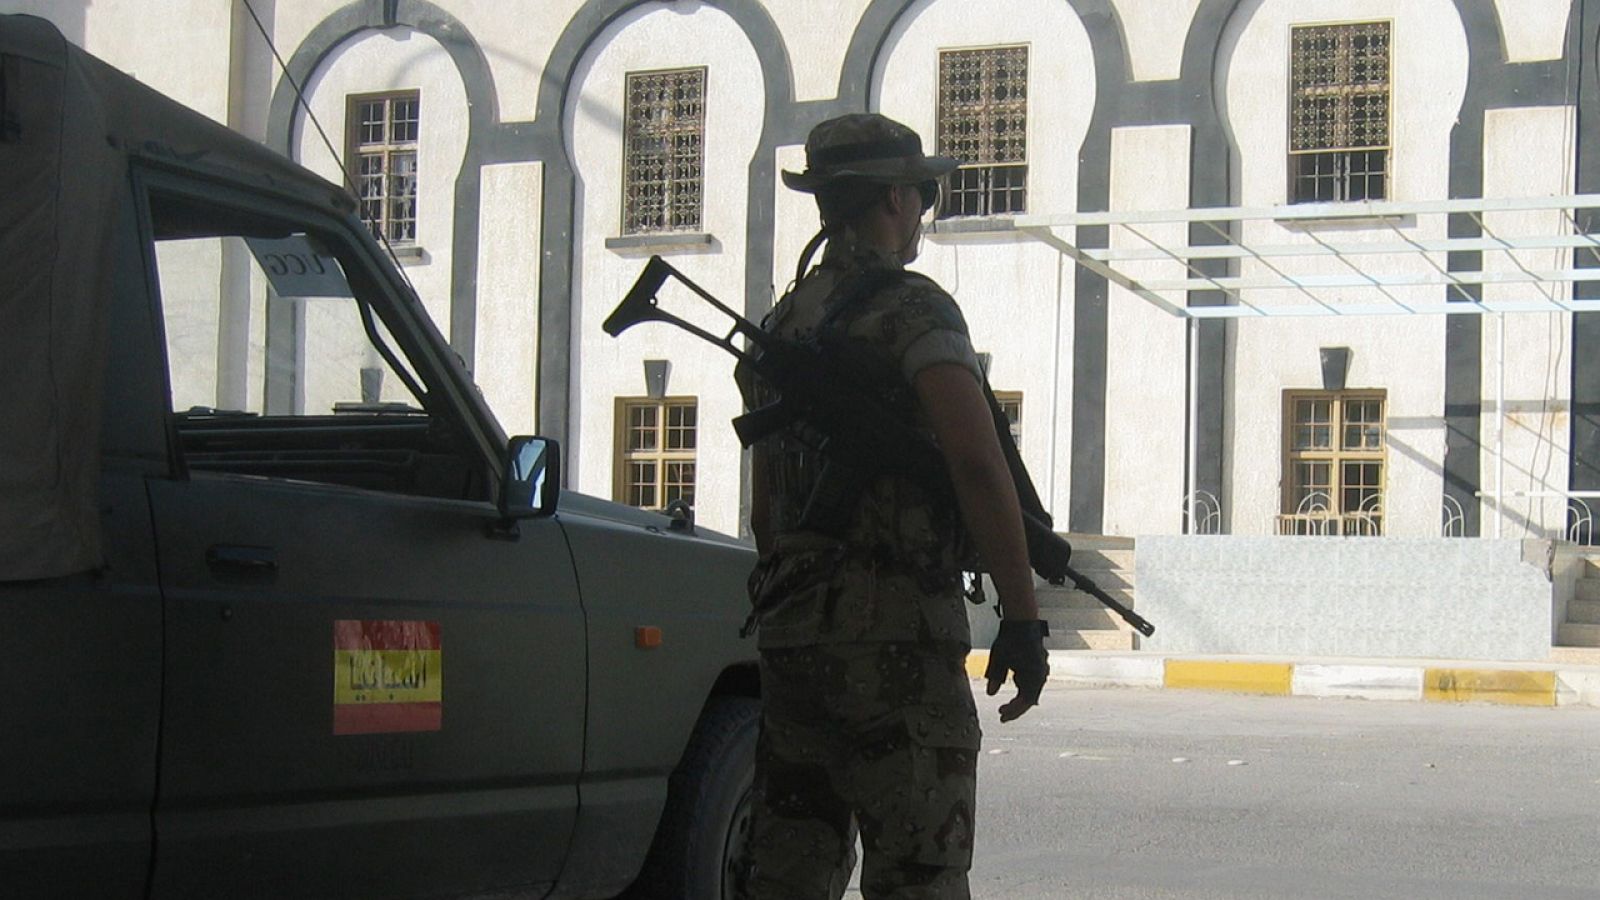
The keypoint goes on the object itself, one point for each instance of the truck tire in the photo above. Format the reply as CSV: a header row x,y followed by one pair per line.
x,y
698,852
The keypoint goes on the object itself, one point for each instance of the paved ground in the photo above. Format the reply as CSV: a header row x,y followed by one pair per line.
x,y
1128,793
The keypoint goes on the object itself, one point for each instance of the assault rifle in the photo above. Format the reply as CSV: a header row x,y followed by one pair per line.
x,y
858,432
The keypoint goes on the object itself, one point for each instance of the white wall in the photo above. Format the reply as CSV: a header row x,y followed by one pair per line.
x,y
1146,378
1402,355
1154,31
1533,29
1535,430
657,37
1016,294
182,49
817,33
517,39
1347,597
506,362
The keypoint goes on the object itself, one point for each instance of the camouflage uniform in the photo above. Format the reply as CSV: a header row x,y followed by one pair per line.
x,y
868,709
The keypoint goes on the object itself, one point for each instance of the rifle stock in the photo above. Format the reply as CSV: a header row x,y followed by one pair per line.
x,y
853,425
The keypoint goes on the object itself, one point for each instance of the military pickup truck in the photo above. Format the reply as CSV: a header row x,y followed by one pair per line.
x,y
283,612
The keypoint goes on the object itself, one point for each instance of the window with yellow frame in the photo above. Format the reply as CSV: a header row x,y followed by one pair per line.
x,y
1335,452
655,456
382,154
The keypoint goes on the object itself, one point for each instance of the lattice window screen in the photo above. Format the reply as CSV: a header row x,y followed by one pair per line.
x,y
1339,99
983,121
1334,460
664,165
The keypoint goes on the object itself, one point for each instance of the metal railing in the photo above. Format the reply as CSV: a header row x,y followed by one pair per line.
x,y
1315,516
1202,513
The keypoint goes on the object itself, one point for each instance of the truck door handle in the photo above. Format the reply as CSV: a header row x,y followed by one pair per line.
x,y
242,558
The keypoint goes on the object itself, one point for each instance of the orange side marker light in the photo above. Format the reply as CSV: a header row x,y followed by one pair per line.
x,y
647,637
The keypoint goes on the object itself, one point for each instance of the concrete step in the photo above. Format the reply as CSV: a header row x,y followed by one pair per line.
x,y
1092,640
1076,601
1097,541
1578,656
1098,619
1107,579
1588,588
1089,560
1111,582
1583,612
1578,636
1112,585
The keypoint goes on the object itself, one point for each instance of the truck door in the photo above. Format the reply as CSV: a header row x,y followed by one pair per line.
x,y
373,687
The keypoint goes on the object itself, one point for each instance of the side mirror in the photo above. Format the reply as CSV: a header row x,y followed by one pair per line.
x,y
531,482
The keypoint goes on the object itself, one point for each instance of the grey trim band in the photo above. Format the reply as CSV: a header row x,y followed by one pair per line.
x,y
1212,163
1583,474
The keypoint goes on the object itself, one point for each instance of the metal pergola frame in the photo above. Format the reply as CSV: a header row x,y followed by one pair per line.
x,y
1259,293
1346,285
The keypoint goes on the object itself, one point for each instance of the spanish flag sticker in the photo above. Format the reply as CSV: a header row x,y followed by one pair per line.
x,y
387,676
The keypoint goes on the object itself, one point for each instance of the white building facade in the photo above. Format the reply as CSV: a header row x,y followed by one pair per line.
x,y
525,158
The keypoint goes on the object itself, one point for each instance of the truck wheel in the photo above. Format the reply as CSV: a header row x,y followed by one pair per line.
x,y
699,848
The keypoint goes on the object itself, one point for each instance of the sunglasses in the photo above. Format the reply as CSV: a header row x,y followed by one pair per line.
x,y
929,192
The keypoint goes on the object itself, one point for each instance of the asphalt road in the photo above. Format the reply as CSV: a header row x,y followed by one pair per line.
x,y
1120,793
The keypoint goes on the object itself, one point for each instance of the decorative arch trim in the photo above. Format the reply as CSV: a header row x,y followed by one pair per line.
x,y
478,82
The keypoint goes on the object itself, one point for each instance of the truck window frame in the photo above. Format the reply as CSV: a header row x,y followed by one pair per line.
x,y
448,395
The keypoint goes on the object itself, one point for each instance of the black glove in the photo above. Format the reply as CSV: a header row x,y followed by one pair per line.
x,y
1019,649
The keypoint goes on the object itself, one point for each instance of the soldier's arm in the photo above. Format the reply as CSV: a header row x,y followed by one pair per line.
x,y
959,415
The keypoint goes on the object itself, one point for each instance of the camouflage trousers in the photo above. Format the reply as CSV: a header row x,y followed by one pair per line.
x,y
884,735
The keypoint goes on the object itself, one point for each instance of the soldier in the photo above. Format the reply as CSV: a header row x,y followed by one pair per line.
x,y
863,633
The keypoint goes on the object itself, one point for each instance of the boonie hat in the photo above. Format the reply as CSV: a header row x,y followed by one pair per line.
x,y
868,146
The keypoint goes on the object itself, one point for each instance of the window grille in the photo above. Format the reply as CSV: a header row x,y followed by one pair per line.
x,y
665,118
1339,113
383,162
983,122
656,464
1334,460
1011,405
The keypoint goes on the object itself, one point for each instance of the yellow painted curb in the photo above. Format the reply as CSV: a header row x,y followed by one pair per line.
x,y
1242,677
977,661
1490,686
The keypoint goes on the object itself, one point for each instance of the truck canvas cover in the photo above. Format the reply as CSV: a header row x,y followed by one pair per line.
x,y
69,127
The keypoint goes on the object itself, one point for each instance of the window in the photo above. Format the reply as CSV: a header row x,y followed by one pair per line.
x,y
283,361
1333,463
383,163
1339,113
983,121
655,465
664,158
1011,405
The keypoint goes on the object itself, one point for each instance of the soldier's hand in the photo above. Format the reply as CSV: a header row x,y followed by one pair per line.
x,y
1019,650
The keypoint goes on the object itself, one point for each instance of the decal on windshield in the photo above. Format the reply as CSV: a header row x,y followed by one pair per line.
x,y
296,267
387,676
